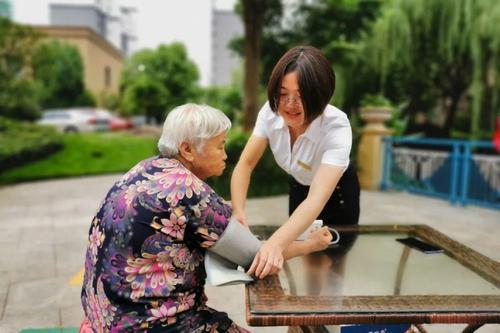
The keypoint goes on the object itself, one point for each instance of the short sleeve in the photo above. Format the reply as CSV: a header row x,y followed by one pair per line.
x,y
261,125
209,216
337,144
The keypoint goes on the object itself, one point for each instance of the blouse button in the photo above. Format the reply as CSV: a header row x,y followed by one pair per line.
x,y
338,187
341,202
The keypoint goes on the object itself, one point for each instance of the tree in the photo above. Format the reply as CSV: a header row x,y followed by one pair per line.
x,y
441,52
154,81
146,96
18,98
58,70
227,99
255,13
335,27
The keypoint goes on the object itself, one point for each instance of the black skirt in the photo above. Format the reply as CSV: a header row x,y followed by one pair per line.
x,y
343,205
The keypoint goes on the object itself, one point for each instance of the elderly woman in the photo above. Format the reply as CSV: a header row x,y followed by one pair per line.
x,y
144,263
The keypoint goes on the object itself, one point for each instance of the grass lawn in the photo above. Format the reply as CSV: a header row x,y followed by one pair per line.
x,y
86,154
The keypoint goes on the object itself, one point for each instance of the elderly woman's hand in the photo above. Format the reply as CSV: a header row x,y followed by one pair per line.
x,y
267,261
319,239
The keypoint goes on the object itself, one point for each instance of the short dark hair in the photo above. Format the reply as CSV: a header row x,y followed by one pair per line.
x,y
316,79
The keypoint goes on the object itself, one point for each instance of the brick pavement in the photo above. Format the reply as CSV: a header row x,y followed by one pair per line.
x,y
43,230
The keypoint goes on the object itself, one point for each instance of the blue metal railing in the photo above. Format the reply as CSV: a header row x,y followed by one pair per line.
x,y
464,172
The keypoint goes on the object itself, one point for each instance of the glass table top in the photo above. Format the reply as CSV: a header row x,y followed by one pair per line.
x,y
378,265
370,277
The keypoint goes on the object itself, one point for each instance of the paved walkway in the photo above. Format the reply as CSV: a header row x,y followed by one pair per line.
x,y
43,230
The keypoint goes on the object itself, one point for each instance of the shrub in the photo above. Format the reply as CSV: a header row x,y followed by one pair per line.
x,y
227,99
21,143
375,100
86,99
86,154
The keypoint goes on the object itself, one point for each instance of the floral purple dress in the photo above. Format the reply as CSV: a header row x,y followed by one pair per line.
x,y
144,267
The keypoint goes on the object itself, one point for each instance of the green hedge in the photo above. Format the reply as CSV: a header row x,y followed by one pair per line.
x,y
267,179
86,154
99,153
21,143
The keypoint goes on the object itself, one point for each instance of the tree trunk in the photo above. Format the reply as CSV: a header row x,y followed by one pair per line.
x,y
454,86
451,112
253,17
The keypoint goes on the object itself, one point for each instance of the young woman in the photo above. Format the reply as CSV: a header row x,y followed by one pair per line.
x,y
311,141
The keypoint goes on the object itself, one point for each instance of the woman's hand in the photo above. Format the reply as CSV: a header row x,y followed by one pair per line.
x,y
240,217
267,261
319,239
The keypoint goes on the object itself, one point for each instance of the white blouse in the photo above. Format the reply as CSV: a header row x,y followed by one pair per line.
x,y
327,140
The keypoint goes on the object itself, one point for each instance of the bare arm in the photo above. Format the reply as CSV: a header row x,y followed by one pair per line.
x,y
269,259
240,178
317,241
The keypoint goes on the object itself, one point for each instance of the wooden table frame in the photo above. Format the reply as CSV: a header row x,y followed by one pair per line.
x,y
267,304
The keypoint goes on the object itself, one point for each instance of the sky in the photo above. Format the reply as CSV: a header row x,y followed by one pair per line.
x,y
187,21
156,22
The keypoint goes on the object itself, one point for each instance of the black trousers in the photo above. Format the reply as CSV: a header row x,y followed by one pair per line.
x,y
343,205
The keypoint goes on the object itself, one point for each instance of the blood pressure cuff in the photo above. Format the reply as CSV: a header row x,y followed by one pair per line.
x,y
237,244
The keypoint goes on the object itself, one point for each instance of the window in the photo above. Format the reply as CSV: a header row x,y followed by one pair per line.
x,y
107,77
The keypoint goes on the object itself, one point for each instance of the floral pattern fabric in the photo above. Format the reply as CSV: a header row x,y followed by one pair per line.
x,y
144,267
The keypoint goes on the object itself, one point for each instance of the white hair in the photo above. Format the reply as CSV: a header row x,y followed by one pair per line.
x,y
192,123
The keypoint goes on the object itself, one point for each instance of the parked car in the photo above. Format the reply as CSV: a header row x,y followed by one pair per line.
x,y
138,121
67,121
105,120
98,119
118,123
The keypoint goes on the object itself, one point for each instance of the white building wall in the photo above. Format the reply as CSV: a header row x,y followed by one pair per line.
x,y
226,25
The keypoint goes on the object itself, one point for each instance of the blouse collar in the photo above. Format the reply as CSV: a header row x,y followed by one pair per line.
x,y
312,132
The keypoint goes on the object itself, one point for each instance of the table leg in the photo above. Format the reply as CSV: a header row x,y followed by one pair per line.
x,y
420,328
401,268
471,328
